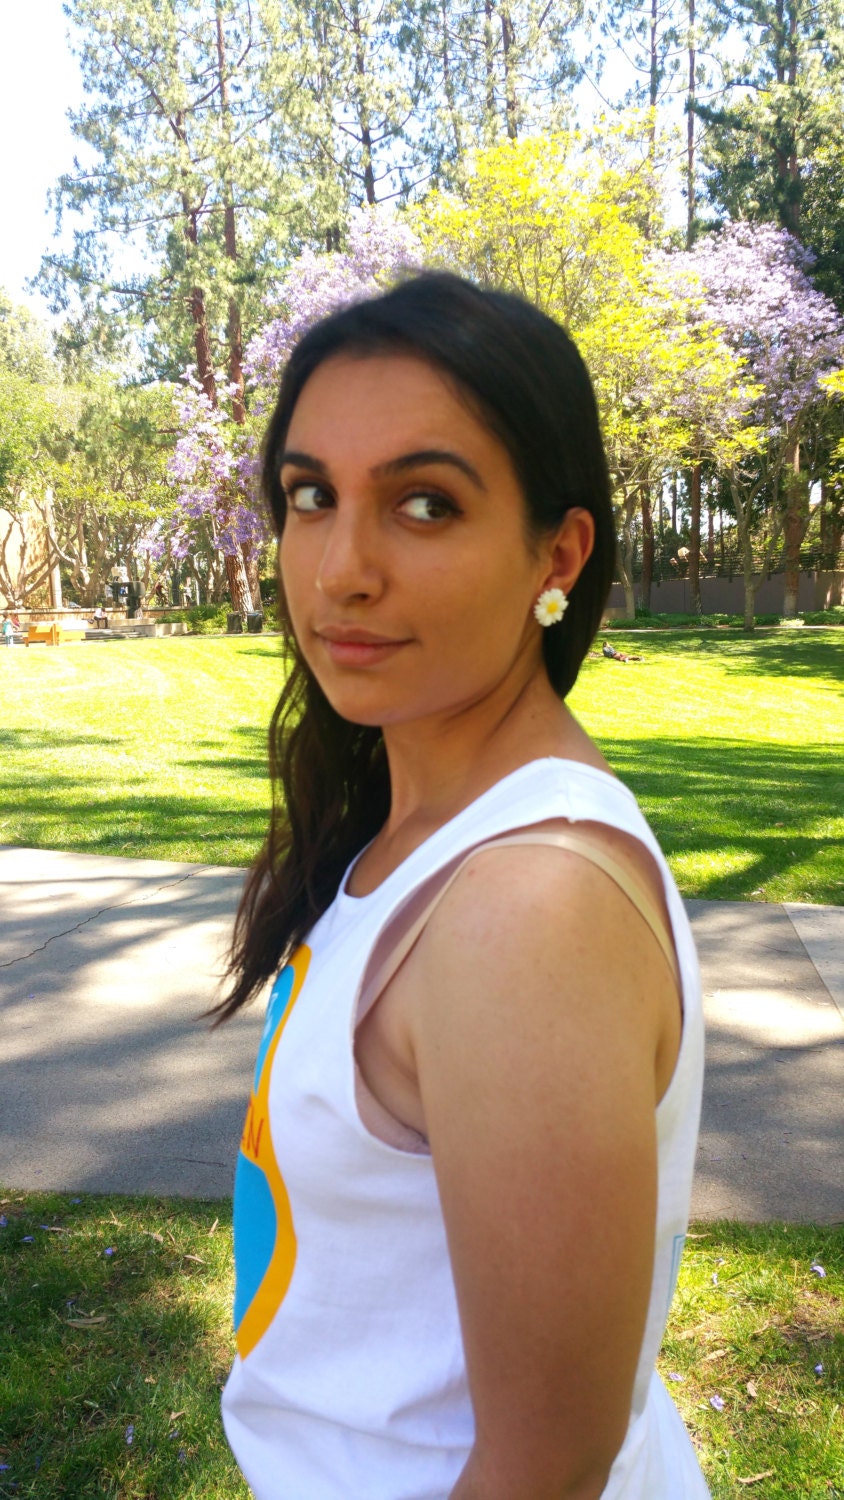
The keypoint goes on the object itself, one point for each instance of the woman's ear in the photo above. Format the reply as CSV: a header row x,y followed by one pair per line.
x,y
569,549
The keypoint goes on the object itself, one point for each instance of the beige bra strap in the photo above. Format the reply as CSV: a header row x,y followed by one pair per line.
x,y
632,888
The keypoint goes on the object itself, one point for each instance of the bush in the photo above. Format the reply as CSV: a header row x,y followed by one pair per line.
x,y
687,622
831,616
212,619
203,619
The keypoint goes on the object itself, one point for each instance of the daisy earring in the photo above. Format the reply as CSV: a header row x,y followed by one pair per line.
x,y
550,606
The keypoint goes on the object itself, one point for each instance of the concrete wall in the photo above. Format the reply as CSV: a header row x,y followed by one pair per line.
x,y
725,596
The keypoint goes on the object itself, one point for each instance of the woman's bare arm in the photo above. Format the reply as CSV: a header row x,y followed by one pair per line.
x,y
538,1003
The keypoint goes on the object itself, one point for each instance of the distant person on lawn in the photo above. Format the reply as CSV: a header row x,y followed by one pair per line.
x,y
612,655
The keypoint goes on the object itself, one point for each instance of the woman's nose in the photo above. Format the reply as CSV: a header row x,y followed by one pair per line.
x,y
349,566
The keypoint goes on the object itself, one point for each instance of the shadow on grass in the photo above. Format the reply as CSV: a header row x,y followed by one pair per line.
x,y
743,814
58,811
129,1405
776,655
253,762
770,803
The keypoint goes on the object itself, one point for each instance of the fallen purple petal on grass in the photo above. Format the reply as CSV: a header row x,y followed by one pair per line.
x,y
182,1456
174,1433
673,1375
4,1468
76,1200
130,1435
720,1261
109,1250
28,1239
818,1270
714,1278
717,1402
818,1369
3,1221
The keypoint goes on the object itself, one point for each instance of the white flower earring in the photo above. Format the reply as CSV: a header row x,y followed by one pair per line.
x,y
550,606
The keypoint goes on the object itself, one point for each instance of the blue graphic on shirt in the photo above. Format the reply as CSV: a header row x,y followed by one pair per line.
x,y
264,1235
254,1233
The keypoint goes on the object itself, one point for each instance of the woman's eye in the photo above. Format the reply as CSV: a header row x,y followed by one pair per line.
x,y
428,508
307,498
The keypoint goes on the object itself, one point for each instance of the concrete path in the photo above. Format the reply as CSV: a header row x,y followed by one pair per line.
x,y
109,1083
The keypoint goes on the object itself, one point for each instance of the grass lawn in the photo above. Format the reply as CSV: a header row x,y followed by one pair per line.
x,y
156,748
116,1339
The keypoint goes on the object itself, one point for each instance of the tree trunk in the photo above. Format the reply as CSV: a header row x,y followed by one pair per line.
x,y
448,85
491,128
198,312
690,134
710,536
624,553
251,563
832,523
796,521
743,505
510,103
234,331
674,501
54,576
749,598
694,539
647,549
238,584
743,519
364,124
202,345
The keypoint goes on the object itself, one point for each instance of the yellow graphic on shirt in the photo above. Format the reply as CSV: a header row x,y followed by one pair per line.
x,y
264,1236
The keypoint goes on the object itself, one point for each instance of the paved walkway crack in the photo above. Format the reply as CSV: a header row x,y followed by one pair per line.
x,y
136,900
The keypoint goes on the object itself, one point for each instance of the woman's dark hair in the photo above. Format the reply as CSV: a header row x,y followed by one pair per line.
x,y
525,380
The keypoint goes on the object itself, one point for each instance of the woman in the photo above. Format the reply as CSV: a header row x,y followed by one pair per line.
x,y
464,1179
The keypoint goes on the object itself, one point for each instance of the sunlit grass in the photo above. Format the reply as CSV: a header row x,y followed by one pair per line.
x,y
111,1365
757,1337
157,748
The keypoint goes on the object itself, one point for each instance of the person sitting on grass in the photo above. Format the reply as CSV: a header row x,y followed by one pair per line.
x,y
612,655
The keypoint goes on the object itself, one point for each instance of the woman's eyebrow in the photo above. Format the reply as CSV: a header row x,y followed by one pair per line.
x,y
430,456
414,460
303,461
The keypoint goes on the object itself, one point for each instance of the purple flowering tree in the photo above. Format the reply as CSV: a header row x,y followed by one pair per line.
x,y
211,470
216,460
379,248
757,290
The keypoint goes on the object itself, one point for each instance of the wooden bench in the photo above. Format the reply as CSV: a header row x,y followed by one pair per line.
x,y
50,633
47,633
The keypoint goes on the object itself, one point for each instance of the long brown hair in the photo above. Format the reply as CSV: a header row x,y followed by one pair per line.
x,y
523,376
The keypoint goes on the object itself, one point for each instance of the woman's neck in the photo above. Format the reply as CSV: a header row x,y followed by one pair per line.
x,y
439,765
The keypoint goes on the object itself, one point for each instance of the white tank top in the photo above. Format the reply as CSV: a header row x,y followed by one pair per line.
x,y
349,1382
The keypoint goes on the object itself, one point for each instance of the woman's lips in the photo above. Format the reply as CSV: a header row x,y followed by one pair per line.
x,y
358,648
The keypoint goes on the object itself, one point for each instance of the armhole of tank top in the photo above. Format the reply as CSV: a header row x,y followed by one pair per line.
x,y
375,1118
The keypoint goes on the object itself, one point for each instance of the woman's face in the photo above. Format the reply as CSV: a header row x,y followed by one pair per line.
x,y
404,559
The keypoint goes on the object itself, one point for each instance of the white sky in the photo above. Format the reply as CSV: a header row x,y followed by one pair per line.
x,y
39,82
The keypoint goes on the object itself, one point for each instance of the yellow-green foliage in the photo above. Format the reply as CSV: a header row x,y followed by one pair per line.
x,y
564,220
